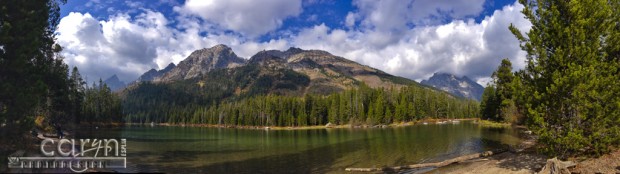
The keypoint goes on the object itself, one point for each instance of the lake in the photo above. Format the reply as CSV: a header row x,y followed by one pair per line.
x,y
175,149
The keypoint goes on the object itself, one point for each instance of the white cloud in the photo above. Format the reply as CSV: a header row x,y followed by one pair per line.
x,y
426,11
350,20
387,21
103,48
129,46
461,47
251,18
397,13
134,4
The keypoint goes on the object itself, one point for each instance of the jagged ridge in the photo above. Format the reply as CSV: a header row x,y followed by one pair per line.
x,y
326,73
459,86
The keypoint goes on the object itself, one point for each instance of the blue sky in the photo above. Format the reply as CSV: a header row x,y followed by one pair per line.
x,y
409,38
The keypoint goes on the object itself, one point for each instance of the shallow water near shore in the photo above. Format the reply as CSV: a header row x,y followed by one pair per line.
x,y
174,149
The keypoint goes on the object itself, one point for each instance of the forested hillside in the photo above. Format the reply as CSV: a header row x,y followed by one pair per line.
x,y
284,88
365,106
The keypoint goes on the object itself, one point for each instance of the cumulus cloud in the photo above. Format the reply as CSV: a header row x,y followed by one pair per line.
x,y
103,48
350,20
398,13
129,46
251,18
386,22
401,41
461,47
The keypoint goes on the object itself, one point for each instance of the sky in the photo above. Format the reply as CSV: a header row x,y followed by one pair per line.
x,y
408,38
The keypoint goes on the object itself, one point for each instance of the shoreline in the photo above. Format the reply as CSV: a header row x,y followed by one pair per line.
x,y
519,159
393,125
522,158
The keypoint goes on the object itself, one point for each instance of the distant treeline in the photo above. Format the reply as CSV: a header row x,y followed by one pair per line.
x,y
100,105
357,106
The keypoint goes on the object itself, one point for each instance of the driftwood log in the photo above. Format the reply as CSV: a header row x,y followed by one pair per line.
x,y
423,165
555,166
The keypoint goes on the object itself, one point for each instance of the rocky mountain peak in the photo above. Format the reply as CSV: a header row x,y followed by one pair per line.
x,y
169,67
459,86
114,83
154,74
202,61
113,77
220,46
153,70
294,50
275,54
217,51
267,57
440,76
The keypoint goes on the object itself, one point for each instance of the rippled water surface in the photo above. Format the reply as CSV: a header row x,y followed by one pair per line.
x,y
224,150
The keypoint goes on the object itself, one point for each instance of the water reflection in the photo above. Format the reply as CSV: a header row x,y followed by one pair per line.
x,y
213,150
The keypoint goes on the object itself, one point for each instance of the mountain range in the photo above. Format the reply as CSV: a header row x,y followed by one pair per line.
x,y
214,80
274,71
458,86
291,72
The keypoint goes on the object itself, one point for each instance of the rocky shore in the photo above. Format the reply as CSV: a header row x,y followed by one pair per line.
x,y
524,159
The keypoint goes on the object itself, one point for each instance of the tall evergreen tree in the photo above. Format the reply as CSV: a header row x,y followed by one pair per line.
x,y
489,104
572,74
503,78
498,102
27,57
76,94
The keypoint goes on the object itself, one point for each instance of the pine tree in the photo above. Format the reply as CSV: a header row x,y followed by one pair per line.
x,y
571,74
388,115
379,111
77,89
503,80
489,104
27,57
370,119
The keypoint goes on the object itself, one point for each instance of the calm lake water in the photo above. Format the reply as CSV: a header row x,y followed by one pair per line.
x,y
225,150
